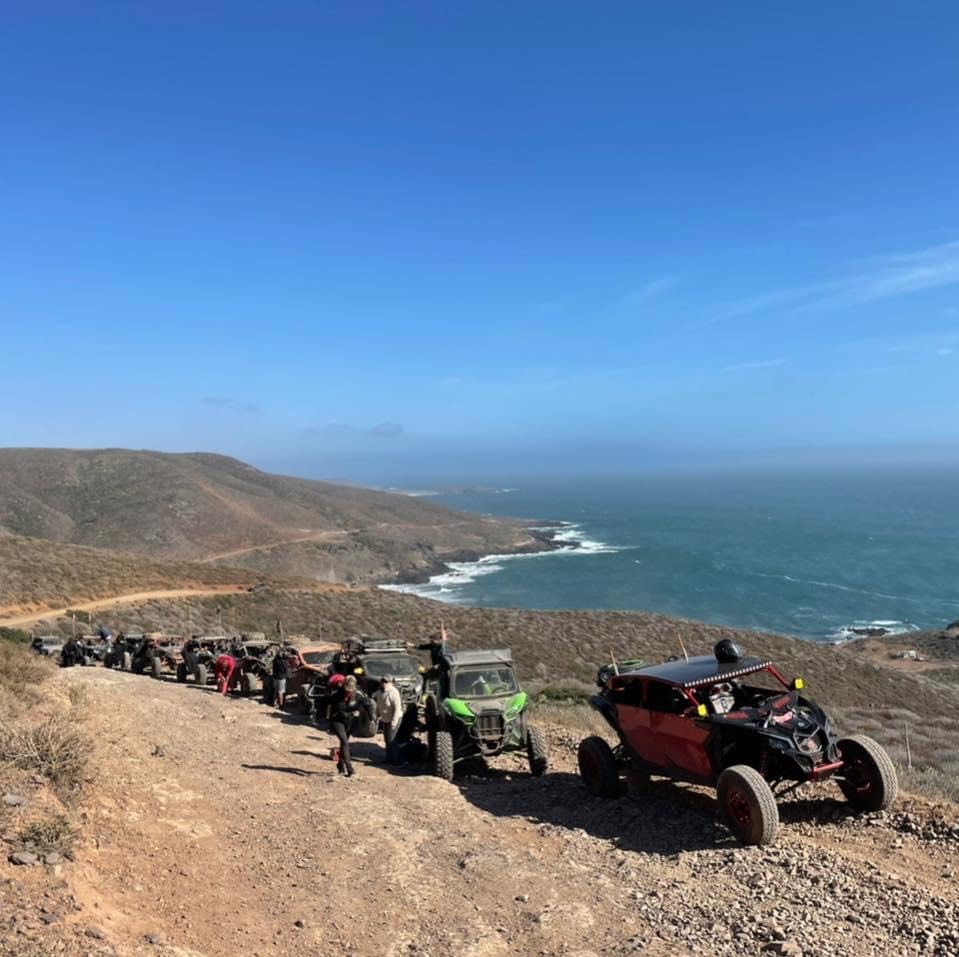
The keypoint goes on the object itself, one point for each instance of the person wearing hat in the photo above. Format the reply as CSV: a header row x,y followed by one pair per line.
x,y
390,710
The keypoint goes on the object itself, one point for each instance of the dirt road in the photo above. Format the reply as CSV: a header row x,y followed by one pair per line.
x,y
16,621
219,827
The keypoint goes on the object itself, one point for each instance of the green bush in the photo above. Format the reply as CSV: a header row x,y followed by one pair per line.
x,y
14,634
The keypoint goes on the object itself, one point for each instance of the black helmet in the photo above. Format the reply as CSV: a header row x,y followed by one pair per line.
x,y
727,652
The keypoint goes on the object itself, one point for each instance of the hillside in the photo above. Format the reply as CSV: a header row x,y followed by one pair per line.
x,y
36,574
204,507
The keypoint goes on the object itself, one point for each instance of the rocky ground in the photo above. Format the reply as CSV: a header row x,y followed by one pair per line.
x,y
219,827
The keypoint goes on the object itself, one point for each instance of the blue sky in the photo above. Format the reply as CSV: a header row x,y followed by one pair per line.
x,y
383,240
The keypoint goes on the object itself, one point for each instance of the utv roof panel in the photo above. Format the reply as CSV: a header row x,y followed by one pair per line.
x,y
495,656
701,670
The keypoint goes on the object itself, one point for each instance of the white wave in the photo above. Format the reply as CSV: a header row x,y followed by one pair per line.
x,y
443,587
853,631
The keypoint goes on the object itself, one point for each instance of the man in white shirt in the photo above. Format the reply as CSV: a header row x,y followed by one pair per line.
x,y
390,710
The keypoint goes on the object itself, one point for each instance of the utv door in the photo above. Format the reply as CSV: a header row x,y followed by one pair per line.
x,y
672,725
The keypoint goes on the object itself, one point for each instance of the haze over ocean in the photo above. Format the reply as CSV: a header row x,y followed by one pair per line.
x,y
807,554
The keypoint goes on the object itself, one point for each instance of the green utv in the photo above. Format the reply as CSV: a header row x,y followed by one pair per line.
x,y
475,708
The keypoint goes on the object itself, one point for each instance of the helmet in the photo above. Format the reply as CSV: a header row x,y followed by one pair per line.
x,y
727,652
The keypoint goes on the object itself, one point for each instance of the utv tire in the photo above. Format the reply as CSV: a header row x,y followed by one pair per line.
x,y
156,668
536,752
747,805
200,675
597,767
443,756
249,685
181,673
127,661
869,781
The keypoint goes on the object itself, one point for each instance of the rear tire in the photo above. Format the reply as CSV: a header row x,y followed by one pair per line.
x,y
597,767
181,672
536,752
200,675
249,684
747,805
869,781
443,755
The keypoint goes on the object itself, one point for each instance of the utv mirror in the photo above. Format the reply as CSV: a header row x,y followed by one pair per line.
x,y
357,671
798,684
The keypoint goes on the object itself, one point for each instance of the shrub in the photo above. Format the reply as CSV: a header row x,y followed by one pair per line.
x,y
49,834
561,694
15,634
54,748
21,670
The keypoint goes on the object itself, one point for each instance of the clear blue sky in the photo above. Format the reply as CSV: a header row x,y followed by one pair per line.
x,y
387,239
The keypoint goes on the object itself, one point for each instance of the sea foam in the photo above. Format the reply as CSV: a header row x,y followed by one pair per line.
x,y
445,586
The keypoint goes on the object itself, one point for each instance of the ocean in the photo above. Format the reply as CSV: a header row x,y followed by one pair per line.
x,y
813,555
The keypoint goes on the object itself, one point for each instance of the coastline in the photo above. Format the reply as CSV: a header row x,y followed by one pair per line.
x,y
437,579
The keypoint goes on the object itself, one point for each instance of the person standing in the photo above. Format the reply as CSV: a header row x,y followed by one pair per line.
x,y
283,663
390,709
345,705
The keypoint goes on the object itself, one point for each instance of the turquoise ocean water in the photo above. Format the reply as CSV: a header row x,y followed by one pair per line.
x,y
811,555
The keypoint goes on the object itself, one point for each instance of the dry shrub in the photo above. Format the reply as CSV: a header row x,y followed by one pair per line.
x,y
49,834
54,748
79,695
21,670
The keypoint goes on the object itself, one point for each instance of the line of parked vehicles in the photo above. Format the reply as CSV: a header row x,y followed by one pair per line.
x,y
724,720
473,707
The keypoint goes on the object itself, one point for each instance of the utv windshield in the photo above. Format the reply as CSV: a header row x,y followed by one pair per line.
x,y
318,657
400,666
480,682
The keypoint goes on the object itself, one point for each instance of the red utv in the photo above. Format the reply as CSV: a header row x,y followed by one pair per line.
x,y
733,723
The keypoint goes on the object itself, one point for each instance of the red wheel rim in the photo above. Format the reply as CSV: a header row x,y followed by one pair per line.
x,y
739,810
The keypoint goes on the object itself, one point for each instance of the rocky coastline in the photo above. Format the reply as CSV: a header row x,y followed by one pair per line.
x,y
542,538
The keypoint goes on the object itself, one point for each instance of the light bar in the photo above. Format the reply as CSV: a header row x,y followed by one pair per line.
x,y
723,676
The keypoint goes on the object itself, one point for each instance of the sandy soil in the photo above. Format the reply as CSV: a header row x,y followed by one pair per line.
x,y
219,827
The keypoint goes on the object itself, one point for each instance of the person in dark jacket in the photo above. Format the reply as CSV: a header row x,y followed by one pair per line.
x,y
69,654
284,661
346,704
439,661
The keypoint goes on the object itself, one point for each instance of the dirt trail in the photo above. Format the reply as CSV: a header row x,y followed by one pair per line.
x,y
129,599
269,546
333,535
219,827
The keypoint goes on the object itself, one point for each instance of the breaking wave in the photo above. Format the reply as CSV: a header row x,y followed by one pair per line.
x,y
865,629
445,586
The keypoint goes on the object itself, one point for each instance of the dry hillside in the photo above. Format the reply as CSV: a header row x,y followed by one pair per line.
x,y
37,574
199,506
